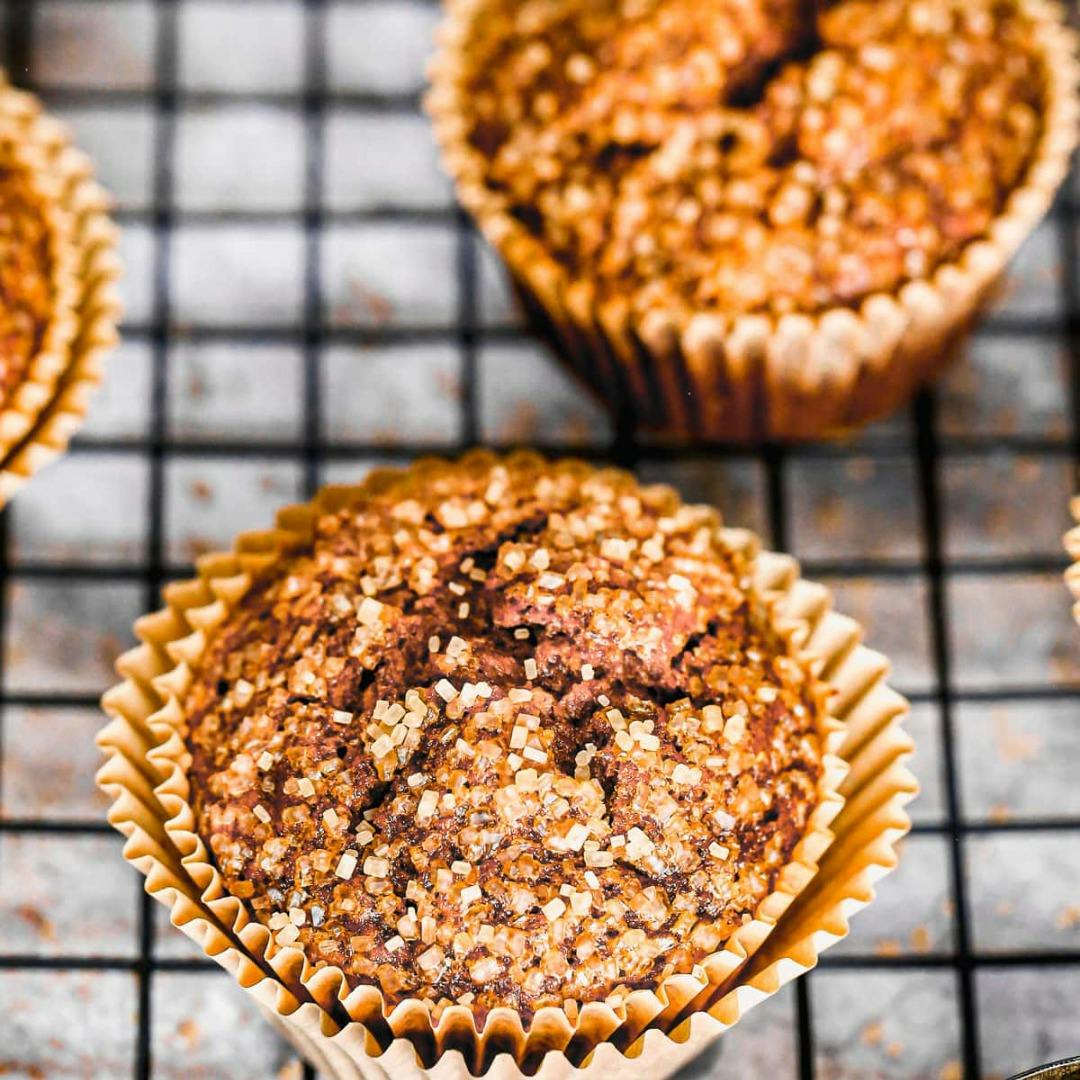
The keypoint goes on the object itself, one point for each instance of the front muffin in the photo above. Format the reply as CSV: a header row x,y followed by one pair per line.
x,y
504,733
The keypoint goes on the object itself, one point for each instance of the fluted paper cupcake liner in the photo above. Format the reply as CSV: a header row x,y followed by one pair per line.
x,y
747,377
1072,547
356,1033
39,417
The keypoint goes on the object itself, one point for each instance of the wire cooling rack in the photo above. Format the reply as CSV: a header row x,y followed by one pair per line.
x,y
303,301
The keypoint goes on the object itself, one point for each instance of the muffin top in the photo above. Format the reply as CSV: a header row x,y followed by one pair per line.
x,y
746,156
504,732
26,295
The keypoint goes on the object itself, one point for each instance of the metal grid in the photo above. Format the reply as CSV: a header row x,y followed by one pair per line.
x,y
931,566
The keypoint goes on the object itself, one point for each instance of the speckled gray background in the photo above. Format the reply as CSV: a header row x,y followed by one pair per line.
x,y
262,356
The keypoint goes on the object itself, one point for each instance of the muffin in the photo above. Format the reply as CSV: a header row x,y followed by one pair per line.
x,y
58,309
499,755
748,218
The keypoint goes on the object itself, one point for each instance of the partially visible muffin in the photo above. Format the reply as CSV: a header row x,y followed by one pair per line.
x,y
26,265
505,733
58,303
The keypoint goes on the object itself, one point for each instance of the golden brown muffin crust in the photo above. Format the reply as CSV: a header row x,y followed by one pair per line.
x,y
507,733
26,294
753,155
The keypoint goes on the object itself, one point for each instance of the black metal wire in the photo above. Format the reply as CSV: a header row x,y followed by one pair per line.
x,y
165,106
1070,330
926,442
468,330
773,460
314,103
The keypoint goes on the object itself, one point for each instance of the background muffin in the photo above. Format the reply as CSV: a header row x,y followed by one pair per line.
x,y
754,219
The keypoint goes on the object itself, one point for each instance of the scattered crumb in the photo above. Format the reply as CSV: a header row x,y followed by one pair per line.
x,y
196,546
860,470
873,1033
449,385
1014,746
829,514
201,491
522,423
1068,918
951,1070
888,947
894,1049
196,385
999,813
42,924
190,1032
1005,908
364,303
920,939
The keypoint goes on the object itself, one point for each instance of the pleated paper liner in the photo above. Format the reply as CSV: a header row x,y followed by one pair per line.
x,y
734,379
1072,547
84,266
353,1033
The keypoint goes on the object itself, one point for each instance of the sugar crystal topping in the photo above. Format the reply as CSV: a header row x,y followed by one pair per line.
x,y
527,819
748,156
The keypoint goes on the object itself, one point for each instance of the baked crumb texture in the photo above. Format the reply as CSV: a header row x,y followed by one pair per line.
x,y
26,293
726,185
505,733
747,156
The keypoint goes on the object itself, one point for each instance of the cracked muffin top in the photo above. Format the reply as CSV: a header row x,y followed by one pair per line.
x,y
505,732
752,156
26,294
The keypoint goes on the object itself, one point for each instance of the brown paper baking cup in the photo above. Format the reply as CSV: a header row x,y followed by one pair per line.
x,y
43,411
741,378
355,1032
1072,547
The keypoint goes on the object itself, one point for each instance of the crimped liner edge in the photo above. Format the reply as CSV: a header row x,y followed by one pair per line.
x,y
1072,548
